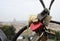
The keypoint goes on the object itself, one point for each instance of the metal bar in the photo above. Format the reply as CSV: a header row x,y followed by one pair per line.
x,y
54,22
42,3
51,4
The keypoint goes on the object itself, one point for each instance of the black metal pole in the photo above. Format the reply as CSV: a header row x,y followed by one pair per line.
x,y
19,33
51,4
42,3
54,22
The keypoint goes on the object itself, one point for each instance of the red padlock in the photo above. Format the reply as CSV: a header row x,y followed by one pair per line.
x,y
36,26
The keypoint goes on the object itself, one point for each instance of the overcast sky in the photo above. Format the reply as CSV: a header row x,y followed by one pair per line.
x,y
21,9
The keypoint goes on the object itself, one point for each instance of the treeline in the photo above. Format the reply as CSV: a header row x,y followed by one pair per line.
x,y
8,30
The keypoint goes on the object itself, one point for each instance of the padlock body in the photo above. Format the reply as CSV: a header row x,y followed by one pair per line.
x,y
36,26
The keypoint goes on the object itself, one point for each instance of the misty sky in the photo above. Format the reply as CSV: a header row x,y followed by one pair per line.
x,y
21,9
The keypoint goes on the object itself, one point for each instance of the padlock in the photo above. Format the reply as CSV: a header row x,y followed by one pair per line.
x,y
43,14
32,18
46,21
36,26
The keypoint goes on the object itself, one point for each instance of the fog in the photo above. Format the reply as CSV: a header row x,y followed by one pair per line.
x,y
22,9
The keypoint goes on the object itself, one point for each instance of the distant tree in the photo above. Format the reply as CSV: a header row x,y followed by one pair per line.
x,y
8,30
